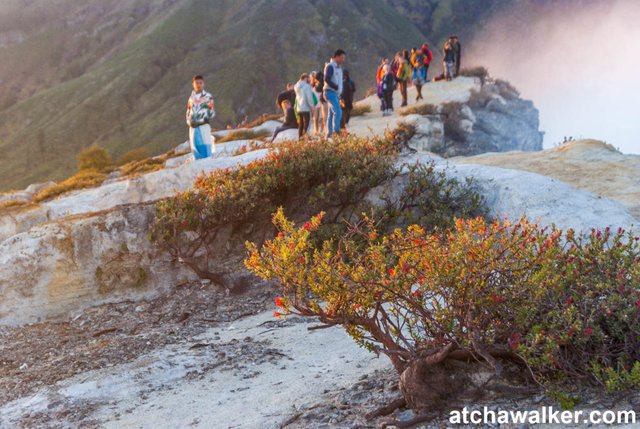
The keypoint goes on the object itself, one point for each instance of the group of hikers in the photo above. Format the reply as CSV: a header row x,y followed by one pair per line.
x,y
413,67
324,99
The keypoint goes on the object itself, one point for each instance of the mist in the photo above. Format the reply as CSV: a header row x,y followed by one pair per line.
x,y
578,61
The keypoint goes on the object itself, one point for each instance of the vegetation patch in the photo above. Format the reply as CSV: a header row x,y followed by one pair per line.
x,y
478,72
134,155
562,307
360,109
94,158
244,134
421,109
304,178
87,178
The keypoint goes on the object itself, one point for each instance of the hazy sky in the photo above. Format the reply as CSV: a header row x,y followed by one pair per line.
x,y
580,66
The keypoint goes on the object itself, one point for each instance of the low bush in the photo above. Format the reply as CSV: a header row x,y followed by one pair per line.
x,y
480,72
86,178
360,109
134,155
564,308
421,109
305,176
93,157
243,134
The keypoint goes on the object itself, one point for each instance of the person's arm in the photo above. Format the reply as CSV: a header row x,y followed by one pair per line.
x,y
328,78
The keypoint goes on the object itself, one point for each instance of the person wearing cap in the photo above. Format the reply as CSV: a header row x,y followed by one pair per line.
x,y
200,111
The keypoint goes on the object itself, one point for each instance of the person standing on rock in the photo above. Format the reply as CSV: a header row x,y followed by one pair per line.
x,y
403,73
200,111
449,60
320,111
428,57
388,85
333,83
305,103
419,75
457,49
346,100
290,121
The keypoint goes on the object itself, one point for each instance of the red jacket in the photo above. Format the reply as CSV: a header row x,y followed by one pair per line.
x,y
428,55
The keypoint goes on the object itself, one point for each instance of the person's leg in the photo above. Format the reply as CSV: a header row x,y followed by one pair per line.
x,y
347,114
419,90
278,131
304,123
389,100
331,97
403,92
316,110
343,120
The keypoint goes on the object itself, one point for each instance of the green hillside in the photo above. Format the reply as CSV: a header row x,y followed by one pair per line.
x,y
117,72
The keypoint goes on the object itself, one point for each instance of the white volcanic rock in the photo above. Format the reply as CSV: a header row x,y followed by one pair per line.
x,y
58,269
287,135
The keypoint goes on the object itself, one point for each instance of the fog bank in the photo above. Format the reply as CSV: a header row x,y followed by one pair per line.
x,y
579,61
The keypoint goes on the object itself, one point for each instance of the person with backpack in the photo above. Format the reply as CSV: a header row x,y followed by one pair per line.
x,y
449,60
200,111
305,103
388,86
419,75
348,89
428,57
403,73
320,110
380,71
290,121
333,84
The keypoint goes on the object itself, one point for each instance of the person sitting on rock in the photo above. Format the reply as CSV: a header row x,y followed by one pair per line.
x,y
290,122
200,112
288,94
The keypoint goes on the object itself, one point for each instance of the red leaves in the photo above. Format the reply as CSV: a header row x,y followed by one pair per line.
x,y
279,302
588,332
277,314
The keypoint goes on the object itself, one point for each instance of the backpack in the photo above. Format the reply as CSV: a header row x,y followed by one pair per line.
x,y
419,60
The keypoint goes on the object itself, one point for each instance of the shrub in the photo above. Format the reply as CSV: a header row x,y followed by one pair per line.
x,y
480,72
421,109
12,204
86,178
305,176
562,307
133,155
360,109
481,98
506,89
93,157
243,134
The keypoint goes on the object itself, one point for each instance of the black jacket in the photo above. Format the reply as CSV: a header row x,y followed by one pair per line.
x,y
347,93
286,95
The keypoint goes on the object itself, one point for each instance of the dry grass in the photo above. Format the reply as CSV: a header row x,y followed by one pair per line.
x,y
243,134
360,109
480,72
262,119
82,180
134,155
143,166
420,109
